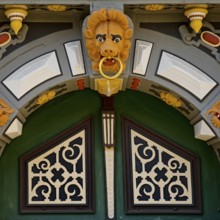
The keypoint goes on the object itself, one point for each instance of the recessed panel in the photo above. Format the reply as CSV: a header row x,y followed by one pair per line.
x,y
75,57
142,55
185,75
32,74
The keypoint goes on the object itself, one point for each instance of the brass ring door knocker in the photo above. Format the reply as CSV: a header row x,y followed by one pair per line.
x,y
117,74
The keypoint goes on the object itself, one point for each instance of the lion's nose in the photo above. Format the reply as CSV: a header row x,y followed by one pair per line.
x,y
108,49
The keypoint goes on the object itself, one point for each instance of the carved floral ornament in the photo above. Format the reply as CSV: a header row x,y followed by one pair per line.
x,y
42,99
154,7
5,111
215,114
56,7
170,99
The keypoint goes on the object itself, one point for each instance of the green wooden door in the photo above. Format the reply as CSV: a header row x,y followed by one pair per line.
x,y
67,110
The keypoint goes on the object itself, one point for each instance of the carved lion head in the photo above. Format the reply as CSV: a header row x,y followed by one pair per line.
x,y
108,35
215,112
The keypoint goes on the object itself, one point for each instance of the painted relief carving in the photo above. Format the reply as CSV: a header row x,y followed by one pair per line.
x,y
135,83
196,13
16,14
170,99
5,112
5,38
210,38
33,104
45,97
186,108
8,37
215,114
56,7
207,37
154,7
108,39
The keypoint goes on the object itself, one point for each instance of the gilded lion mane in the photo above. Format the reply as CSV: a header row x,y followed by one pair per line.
x,y
94,20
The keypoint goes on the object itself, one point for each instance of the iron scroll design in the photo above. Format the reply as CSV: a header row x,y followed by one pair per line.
x,y
58,175
160,176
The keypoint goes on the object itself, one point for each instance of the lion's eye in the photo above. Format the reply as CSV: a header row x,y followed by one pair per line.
x,y
100,39
117,39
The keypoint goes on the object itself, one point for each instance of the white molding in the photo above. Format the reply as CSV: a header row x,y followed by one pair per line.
x,y
186,75
142,55
109,169
202,131
75,57
32,74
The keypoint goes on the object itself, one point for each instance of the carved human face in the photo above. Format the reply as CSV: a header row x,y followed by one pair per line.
x,y
109,40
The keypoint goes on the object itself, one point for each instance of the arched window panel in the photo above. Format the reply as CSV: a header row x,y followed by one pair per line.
x,y
160,176
58,175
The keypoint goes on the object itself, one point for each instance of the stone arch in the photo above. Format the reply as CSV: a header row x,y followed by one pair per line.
x,y
61,61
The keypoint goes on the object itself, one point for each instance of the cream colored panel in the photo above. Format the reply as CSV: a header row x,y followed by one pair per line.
x,y
142,55
32,74
74,53
186,75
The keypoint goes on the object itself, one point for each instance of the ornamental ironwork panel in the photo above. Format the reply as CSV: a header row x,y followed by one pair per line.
x,y
57,176
160,176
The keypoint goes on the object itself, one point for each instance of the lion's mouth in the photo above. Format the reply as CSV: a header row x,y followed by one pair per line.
x,y
109,62
217,115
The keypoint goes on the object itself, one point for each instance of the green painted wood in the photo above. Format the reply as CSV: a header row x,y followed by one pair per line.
x,y
46,122
69,109
167,121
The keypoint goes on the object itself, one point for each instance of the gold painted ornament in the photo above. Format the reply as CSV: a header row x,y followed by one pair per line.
x,y
114,59
170,99
45,97
5,111
215,114
154,7
16,14
196,14
108,34
56,7
108,87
